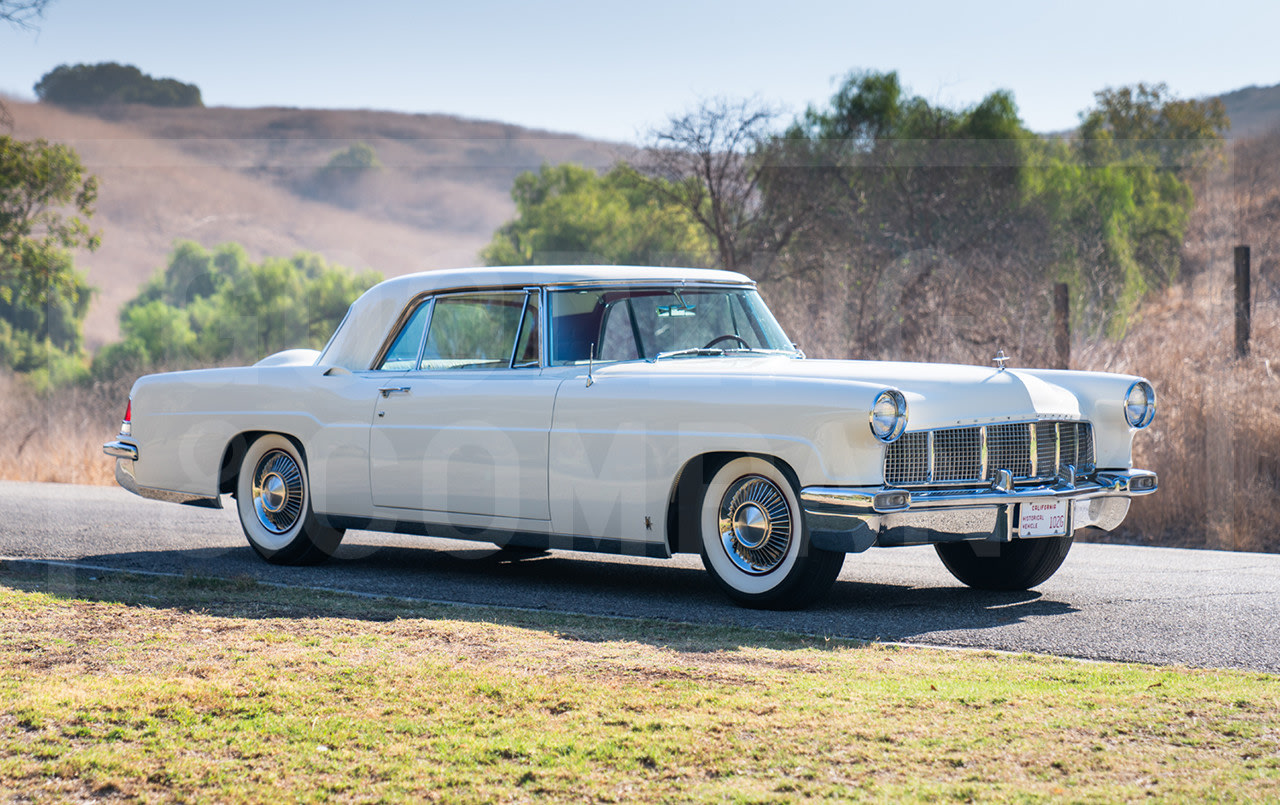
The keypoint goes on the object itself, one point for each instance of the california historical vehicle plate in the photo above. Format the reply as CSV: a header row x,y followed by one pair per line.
x,y
1043,518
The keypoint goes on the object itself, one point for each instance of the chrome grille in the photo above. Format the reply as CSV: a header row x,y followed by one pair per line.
x,y
1046,448
1068,443
908,458
972,455
1085,457
1009,448
957,454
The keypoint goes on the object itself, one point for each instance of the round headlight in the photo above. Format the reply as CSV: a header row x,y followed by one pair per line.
x,y
889,415
1140,404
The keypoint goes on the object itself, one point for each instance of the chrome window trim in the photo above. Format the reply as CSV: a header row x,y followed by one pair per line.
x,y
515,344
426,328
544,327
515,347
544,312
417,301
661,283
682,285
406,313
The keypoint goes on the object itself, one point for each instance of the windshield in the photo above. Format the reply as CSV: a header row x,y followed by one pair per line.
x,y
650,323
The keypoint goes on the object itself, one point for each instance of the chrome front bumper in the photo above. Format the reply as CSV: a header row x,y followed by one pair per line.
x,y
852,519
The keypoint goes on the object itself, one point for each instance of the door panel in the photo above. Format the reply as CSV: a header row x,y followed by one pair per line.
x,y
466,442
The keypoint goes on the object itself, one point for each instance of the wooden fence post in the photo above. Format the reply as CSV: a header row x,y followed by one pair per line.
x,y
1242,301
1062,325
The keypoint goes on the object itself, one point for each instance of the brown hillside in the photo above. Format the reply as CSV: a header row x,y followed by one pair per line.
x,y
249,175
1254,111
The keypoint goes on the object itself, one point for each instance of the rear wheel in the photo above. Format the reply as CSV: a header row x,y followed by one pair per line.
x,y
1017,565
273,499
754,540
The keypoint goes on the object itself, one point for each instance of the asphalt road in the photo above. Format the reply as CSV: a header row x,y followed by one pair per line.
x,y
1108,602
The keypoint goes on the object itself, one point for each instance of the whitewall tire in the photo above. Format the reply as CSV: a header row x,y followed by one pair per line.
x,y
273,499
754,540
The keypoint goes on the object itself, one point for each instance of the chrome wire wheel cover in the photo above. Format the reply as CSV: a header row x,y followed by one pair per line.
x,y
277,491
755,524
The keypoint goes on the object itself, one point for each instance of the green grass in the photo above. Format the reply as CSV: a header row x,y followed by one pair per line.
x,y
204,690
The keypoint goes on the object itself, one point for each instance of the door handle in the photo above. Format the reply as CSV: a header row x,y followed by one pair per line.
x,y
389,390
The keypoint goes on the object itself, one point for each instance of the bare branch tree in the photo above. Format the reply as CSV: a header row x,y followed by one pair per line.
x,y
705,161
21,14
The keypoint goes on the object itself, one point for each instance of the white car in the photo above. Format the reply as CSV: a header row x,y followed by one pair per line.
x,y
641,411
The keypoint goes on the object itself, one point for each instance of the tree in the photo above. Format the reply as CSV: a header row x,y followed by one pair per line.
x,y
705,162
46,199
1119,197
20,14
911,217
916,176
568,214
208,307
109,82
358,157
345,179
1146,122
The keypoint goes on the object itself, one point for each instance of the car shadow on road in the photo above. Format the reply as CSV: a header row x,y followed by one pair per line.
x,y
588,584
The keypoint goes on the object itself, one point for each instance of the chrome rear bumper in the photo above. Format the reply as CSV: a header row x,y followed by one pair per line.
x,y
125,454
852,519
119,449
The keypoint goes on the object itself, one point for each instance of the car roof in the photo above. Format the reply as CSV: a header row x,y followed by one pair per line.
x,y
370,318
507,276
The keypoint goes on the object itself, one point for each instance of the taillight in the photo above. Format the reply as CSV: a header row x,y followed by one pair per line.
x,y
126,425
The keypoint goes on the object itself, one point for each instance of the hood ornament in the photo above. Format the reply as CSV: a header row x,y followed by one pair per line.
x,y
1000,360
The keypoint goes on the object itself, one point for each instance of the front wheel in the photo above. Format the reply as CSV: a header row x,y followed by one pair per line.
x,y
1017,565
754,540
273,500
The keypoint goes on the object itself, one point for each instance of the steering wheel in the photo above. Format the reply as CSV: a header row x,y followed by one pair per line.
x,y
728,337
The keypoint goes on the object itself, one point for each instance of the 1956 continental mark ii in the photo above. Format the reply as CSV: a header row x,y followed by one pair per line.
x,y
645,411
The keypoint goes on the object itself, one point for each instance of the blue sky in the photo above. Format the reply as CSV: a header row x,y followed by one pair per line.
x,y
614,70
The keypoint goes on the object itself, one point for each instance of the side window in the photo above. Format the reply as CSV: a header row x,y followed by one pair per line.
x,y
404,350
527,345
473,331
618,339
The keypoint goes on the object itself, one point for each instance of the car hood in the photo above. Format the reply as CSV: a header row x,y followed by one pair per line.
x,y
941,394
938,395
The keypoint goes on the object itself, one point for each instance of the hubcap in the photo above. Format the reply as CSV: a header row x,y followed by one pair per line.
x,y
750,525
277,491
755,524
274,493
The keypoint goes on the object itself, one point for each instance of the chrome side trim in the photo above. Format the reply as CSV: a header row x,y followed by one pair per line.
x,y
119,449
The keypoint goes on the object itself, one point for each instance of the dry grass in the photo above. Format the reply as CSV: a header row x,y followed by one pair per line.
x,y
1216,438
112,687
58,439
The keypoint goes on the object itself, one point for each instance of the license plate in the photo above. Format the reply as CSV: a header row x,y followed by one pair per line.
x,y
1043,518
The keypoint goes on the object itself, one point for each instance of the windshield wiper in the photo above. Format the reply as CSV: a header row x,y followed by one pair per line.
x,y
681,353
